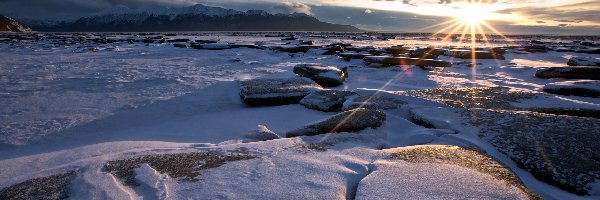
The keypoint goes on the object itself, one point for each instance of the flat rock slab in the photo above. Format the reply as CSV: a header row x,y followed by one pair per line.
x,y
326,76
349,121
560,150
393,61
586,88
45,188
261,92
468,54
466,163
592,73
326,100
583,61
374,102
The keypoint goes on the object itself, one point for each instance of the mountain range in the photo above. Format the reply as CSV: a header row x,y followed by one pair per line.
x,y
194,18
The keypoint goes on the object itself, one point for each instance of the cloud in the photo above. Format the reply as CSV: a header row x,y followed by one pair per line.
x,y
290,8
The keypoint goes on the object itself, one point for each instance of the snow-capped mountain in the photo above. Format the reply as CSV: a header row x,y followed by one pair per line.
x,y
11,25
194,18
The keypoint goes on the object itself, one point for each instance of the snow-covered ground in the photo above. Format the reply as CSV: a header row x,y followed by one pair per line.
x,y
75,108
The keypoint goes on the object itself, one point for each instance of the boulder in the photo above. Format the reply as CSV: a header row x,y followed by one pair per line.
x,y
260,92
262,133
584,88
296,49
396,50
326,100
535,49
349,121
180,45
350,56
579,61
374,102
326,76
570,73
392,61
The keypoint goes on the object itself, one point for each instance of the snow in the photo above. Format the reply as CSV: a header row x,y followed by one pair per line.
x,y
65,110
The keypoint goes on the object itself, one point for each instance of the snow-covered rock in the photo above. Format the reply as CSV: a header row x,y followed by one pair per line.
x,y
326,76
349,121
276,91
326,100
380,101
584,61
570,73
584,88
262,133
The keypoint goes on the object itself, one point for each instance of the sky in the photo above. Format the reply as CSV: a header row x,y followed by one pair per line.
x,y
505,16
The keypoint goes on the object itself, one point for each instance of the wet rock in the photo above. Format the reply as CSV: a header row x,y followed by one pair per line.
x,y
326,76
393,61
326,100
570,73
374,102
560,150
53,187
579,61
462,157
349,121
575,88
261,92
262,133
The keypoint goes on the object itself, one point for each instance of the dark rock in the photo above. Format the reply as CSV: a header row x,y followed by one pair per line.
x,y
333,50
296,49
326,76
349,121
396,50
261,92
53,187
589,51
579,61
560,150
393,61
536,49
180,45
575,88
350,56
469,54
426,53
570,73
326,100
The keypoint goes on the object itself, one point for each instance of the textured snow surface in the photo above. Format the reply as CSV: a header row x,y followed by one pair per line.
x,y
77,107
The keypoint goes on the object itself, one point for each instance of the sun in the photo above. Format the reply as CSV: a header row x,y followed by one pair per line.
x,y
474,14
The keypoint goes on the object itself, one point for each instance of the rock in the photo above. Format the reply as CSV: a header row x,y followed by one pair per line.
x,y
10,25
333,50
468,54
326,100
374,102
350,56
393,61
570,73
180,45
50,187
463,158
536,49
262,133
258,92
214,46
426,53
579,61
589,51
296,49
576,88
326,76
396,50
560,150
348,121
